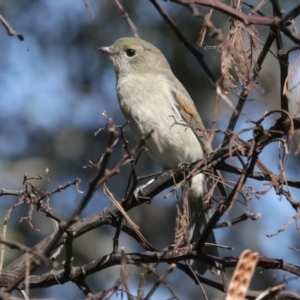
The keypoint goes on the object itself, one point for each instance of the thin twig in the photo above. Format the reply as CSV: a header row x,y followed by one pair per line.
x,y
127,18
10,30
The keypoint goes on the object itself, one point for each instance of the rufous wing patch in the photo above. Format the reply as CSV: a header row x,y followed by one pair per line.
x,y
186,104
190,115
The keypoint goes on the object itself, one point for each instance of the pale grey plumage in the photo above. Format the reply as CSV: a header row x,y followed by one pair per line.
x,y
151,97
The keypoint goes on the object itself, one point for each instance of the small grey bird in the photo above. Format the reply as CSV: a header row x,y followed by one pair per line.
x,y
151,97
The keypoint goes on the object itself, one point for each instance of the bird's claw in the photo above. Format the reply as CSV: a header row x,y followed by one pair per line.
x,y
183,165
137,191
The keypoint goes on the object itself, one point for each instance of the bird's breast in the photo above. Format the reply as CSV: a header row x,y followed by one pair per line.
x,y
147,103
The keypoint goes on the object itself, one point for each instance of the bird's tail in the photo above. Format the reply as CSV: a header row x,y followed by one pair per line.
x,y
199,217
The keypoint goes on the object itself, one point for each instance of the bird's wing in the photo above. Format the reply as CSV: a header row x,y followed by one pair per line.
x,y
190,115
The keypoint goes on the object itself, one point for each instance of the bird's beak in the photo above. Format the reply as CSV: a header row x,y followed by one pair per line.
x,y
107,50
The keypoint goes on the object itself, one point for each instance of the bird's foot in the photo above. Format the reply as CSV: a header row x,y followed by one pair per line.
x,y
184,165
137,193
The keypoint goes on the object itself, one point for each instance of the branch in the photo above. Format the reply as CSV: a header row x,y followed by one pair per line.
x,y
163,181
107,261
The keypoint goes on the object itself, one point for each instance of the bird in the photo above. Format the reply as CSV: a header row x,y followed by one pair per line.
x,y
152,98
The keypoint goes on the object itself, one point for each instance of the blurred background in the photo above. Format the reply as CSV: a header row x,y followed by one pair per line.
x,y
55,85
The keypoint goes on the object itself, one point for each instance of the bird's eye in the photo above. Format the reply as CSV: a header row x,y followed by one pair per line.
x,y
130,52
